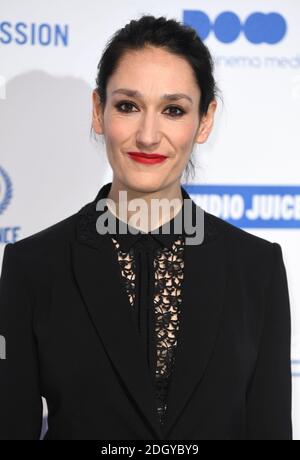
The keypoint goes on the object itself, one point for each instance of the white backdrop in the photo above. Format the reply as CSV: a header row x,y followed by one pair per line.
x,y
49,167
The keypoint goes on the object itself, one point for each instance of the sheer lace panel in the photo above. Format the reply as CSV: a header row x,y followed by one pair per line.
x,y
169,272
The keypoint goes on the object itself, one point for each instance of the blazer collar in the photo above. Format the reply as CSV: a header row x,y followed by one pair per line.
x,y
108,306
165,235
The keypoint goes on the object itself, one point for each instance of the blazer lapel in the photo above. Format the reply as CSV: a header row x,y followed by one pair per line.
x,y
99,279
202,302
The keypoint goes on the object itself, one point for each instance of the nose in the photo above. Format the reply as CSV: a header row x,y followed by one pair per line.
x,y
148,133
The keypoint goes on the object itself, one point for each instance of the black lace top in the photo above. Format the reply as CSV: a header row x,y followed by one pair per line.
x,y
152,268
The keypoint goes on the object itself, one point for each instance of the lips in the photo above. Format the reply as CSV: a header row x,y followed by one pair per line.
x,y
147,159
147,155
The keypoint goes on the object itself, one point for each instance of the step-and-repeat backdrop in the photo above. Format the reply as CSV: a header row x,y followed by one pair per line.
x,y
248,172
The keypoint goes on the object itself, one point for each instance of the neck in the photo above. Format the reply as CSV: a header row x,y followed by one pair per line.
x,y
146,218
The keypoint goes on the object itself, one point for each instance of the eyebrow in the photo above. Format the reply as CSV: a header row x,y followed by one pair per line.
x,y
169,97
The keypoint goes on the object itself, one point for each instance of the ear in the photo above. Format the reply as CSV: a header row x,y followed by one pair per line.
x,y
206,123
97,122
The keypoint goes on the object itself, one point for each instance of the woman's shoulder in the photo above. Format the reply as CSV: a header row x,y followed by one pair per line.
x,y
239,239
49,243
51,235
253,256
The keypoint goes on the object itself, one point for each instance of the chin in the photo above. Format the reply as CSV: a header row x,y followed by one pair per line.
x,y
145,185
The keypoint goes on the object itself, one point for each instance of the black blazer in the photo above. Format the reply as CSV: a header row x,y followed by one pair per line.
x,y
70,337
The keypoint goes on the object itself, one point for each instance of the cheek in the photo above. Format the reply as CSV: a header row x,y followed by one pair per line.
x,y
116,130
182,139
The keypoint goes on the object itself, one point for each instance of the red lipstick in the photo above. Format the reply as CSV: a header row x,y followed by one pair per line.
x,y
147,158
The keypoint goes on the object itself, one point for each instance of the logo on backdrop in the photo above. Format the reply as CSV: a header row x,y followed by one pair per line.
x,y
33,34
7,234
269,29
257,206
6,190
258,28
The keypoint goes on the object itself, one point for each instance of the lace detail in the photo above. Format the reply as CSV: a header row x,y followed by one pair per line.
x,y
169,273
87,234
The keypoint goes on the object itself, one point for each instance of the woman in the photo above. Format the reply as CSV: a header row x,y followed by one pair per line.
x,y
147,334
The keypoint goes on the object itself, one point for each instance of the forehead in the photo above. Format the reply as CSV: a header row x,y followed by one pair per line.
x,y
153,69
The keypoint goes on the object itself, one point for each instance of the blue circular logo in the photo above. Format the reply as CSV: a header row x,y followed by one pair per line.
x,y
265,28
6,190
227,27
258,28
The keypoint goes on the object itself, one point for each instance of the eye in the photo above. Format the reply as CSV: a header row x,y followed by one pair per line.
x,y
174,107
125,103
129,104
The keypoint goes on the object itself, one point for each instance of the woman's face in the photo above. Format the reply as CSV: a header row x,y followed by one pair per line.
x,y
148,122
